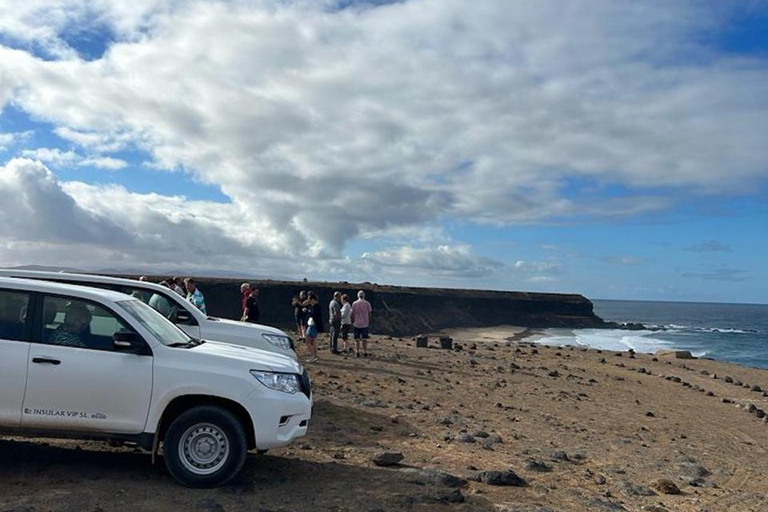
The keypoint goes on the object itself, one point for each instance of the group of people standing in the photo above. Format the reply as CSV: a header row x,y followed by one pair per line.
x,y
185,287
343,318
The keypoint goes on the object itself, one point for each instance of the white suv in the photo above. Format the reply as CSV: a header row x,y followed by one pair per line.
x,y
97,364
190,319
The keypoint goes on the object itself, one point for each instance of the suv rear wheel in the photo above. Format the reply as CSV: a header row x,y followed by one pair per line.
x,y
205,447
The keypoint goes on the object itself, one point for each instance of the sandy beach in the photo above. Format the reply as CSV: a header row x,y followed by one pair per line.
x,y
564,429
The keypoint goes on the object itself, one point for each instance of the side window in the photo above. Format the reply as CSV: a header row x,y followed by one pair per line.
x,y
168,306
79,323
13,314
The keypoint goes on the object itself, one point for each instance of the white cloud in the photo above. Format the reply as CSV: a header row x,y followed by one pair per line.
x,y
8,139
94,141
103,162
455,261
327,126
52,156
69,158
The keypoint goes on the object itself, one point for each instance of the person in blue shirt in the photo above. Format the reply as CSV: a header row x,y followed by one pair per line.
x,y
194,295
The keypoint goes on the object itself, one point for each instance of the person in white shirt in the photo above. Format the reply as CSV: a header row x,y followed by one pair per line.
x,y
346,322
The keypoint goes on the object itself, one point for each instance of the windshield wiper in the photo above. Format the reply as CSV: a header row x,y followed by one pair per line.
x,y
193,342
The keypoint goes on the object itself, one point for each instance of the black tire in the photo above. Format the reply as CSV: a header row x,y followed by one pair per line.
x,y
205,447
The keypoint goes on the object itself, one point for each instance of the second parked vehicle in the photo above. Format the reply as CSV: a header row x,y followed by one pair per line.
x,y
186,316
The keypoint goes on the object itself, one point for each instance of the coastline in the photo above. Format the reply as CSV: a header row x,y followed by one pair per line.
x,y
496,334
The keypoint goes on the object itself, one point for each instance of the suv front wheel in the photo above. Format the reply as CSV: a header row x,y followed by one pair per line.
x,y
205,447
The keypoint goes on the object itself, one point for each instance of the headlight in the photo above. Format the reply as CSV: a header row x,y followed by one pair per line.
x,y
285,382
278,340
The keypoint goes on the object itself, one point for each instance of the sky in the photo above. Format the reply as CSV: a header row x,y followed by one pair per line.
x,y
613,148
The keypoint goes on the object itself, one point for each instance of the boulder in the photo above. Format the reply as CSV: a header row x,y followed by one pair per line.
x,y
665,486
386,459
502,478
434,477
675,354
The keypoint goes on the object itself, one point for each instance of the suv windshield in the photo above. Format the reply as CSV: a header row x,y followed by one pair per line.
x,y
162,328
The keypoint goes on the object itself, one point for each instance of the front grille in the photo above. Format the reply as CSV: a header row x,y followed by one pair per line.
x,y
306,384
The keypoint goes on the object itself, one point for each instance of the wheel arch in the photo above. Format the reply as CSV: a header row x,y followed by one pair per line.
x,y
184,403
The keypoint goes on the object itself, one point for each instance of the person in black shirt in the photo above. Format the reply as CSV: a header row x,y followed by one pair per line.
x,y
251,312
315,310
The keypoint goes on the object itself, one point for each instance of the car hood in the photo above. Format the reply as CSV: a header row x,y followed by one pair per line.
x,y
255,358
245,327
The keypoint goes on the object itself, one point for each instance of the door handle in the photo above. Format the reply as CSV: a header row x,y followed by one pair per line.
x,y
45,360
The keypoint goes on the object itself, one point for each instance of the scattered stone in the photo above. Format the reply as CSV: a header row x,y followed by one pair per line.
x,y
650,414
435,477
386,459
537,466
465,438
445,420
760,413
692,470
494,439
599,479
676,354
559,456
751,408
607,506
554,373
481,434
728,379
757,388
505,478
636,490
665,486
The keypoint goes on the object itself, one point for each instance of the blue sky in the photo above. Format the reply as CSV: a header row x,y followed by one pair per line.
x,y
616,151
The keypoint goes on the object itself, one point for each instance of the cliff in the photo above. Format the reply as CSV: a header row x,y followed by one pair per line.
x,y
405,311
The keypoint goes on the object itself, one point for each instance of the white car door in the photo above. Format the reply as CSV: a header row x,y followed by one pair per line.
x,y
76,381
14,350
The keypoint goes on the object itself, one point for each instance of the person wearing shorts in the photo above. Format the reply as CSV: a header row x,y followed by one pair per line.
x,y
314,326
361,319
346,322
299,314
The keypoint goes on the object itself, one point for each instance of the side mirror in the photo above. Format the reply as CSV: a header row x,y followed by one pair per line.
x,y
182,317
127,342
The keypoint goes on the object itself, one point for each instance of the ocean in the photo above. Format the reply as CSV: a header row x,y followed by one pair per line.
x,y
737,333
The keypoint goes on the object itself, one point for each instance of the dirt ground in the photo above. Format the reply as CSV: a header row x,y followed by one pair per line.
x,y
585,431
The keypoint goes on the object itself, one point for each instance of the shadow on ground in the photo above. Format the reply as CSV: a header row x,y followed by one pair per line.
x,y
62,476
